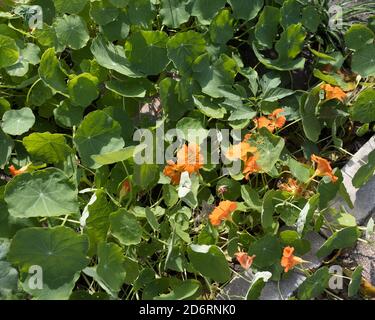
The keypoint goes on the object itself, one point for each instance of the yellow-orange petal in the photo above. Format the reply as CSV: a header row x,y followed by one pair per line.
x,y
288,260
190,157
240,151
263,122
244,259
15,172
333,92
222,212
173,171
323,168
251,166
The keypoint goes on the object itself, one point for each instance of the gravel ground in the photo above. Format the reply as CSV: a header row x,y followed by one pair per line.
x,y
355,11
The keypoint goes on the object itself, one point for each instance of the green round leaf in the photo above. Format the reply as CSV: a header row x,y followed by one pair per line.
x,y
71,31
112,57
343,238
141,13
257,285
216,79
125,227
269,147
187,289
71,6
39,93
9,52
184,48
205,10
251,198
118,29
111,265
267,250
174,12
67,115
50,71
17,122
97,222
102,12
116,156
314,285
97,134
83,89
363,61
290,13
146,175
45,193
130,87
221,28
4,106
246,10
291,42
365,172
29,54
209,107
358,36
210,262
266,27
311,18
147,51
298,169
363,109
6,146
59,251
47,147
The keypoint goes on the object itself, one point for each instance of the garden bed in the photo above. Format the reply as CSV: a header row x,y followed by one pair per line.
x,y
363,255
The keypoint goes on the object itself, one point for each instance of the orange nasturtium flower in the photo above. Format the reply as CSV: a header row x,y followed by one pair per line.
x,y
244,259
272,121
292,186
323,168
240,151
251,166
173,171
14,172
333,92
289,261
189,159
222,212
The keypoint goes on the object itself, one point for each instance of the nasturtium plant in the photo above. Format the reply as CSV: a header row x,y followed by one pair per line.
x,y
17,122
156,149
83,89
59,251
51,73
44,193
47,147
97,134
9,51
71,31
147,51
